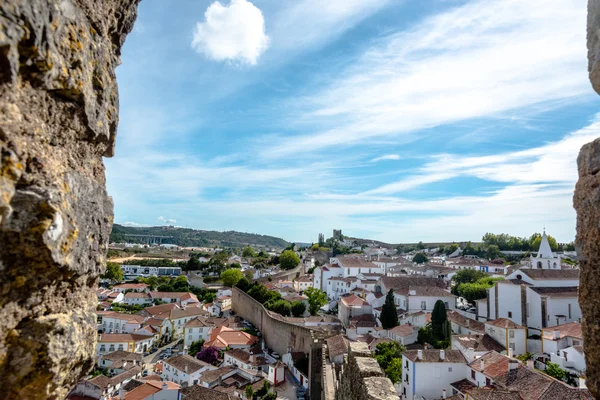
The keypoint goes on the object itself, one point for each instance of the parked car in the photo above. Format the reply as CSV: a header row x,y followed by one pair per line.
x,y
154,350
145,373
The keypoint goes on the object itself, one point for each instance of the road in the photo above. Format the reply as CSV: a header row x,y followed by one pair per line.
x,y
287,390
153,358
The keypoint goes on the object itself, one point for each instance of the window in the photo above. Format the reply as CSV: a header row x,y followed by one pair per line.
x,y
510,314
473,374
423,305
406,380
111,348
569,310
446,304
488,382
120,347
449,369
102,349
511,334
575,342
511,346
189,337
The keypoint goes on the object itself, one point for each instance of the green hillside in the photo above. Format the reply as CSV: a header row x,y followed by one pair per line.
x,y
195,238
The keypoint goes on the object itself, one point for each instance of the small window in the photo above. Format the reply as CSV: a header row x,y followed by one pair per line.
x,y
510,314
488,382
473,374
511,334
449,369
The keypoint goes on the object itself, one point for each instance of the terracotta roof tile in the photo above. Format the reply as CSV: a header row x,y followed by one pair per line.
x,y
434,355
504,323
572,329
337,345
182,361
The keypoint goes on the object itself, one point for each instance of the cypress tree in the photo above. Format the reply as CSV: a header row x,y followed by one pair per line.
x,y
389,314
438,320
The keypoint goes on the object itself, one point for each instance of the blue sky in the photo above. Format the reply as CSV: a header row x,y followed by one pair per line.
x,y
393,120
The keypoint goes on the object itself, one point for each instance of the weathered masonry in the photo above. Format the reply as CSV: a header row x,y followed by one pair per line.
x,y
58,118
587,205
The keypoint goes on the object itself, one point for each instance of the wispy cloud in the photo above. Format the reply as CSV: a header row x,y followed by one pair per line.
x,y
168,221
235,32
477,60
386,157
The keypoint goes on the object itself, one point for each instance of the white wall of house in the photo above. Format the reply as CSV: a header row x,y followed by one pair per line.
x,y
137,300
569,358
509,303
404,340
416,303
428,379
183,378
568,306
515,339
193,334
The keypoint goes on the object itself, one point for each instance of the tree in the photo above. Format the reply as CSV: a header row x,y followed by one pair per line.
x,y
113,273
195,347
389,314
468,276
439,322
555,371
386,352
394,370
451,248
243,284
269,396
536,240
316,300
289,259
249,392
424,335
420,258
248,252
209,355
298,308
420,246
249,274
492,252
279,306
321,240
231,276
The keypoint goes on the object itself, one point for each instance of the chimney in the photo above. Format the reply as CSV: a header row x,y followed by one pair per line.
x,y
185,369
442,355
468,323
420,354
251,359
582,384
512,365
443,393
481,365
556,334
510,353
530,364
122,393
165,386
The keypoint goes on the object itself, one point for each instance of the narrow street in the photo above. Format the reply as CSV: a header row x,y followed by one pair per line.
x,y
153,358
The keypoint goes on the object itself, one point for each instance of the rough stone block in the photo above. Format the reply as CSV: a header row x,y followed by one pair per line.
x,y
379,389
359,349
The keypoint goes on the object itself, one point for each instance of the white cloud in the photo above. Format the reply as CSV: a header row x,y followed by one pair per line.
x,y
167,221
553,162
386,157
232,33
133,224
477,60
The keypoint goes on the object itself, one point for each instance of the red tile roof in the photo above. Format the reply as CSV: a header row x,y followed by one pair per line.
x,y
571,329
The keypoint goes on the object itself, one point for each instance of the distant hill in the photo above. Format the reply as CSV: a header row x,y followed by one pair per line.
x,y
195,238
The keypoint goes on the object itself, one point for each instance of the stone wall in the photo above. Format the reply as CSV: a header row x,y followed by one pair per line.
x,y
58,118
289,275
587,204
361,377
278,335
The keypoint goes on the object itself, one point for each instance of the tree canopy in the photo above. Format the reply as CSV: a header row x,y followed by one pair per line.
x,y
298,308
316,300
113,273
389,358
231,276
389,314
420,258
289,259
248,252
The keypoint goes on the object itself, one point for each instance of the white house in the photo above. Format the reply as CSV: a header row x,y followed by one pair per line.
x,y
337,347
474,346
427,373
510,335
352,306
184,370
109,342
416,293
550,306
403,334
303,283
245,359
418,319
323,273
179,317
139,298
197,329
135,287
510,297
119,361
564,344
115,322
464,325
352,266
276,374
180,298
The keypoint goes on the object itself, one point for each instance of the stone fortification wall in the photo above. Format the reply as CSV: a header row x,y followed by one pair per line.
x,y
58,118
587,204
278,335
361,377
